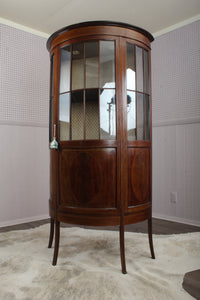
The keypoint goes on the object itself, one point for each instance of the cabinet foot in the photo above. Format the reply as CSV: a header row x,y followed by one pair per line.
x,y
51,233
122,249
150,238
57,239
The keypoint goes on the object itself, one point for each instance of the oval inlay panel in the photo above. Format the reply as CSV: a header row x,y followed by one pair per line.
x,y
138,180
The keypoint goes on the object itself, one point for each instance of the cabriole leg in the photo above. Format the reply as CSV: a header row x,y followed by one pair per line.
x,y
122,249
51,233
150,237
56,247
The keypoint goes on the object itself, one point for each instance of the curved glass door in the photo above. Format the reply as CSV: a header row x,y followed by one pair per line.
x,y
87,104
51,99
138,93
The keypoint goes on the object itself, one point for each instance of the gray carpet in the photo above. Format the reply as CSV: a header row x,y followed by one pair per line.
x,y
89,268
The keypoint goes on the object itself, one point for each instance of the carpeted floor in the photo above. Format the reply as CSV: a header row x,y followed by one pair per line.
x,y
89,268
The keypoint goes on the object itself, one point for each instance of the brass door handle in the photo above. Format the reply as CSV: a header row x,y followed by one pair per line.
x,y
54,143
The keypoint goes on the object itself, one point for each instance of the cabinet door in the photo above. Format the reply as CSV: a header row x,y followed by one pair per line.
x,y
51,99
89,147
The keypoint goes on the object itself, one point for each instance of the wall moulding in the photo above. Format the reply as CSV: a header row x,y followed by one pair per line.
x,y
25,124
176,122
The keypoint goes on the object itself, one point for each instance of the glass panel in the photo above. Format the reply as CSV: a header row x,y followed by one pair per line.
x,y
92,114
77,66
107,64
131,116
146,72
92,64
50,119
140,117
51,100
146,118
52,77
77,118
107,114
130,67
64,109
65,57
139,69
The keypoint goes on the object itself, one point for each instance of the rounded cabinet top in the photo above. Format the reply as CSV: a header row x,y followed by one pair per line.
x,y
98,27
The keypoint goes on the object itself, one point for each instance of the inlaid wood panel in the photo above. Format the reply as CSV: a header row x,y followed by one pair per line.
x,y
138,176
88,178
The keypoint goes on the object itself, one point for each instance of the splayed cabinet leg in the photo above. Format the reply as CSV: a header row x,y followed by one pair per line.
x,y
122,249
150,238
51,233
57,239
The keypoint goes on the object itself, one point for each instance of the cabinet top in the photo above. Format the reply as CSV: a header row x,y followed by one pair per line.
x,y
98,23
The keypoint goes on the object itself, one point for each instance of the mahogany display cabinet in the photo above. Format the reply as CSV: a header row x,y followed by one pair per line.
x,y
100,128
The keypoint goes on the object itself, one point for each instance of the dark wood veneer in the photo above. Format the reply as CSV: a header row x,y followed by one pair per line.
x,y
138,176
98,23
88,178
100,182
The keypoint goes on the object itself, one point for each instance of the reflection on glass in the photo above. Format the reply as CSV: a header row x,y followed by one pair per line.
x,y
51,120
140,117
131,116
65,57
107,64
146,118
77,66
52,77
77,117
130,67
51,100
92,64
107,114
92,114
146,72
139,69
64,109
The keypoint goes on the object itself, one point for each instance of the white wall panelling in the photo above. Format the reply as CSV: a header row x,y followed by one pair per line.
x,y
24,176
176,168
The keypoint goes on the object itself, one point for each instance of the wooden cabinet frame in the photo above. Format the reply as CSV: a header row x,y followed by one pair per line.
x,y
101,182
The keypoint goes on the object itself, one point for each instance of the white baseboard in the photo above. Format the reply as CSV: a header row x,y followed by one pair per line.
x,y
24,220
176,219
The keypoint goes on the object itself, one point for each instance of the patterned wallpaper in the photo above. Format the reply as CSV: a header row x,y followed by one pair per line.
x,y
24,78
176,75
